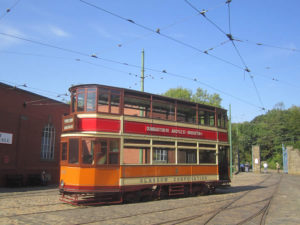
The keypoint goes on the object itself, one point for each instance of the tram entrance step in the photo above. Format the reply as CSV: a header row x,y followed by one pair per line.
x,y
176,190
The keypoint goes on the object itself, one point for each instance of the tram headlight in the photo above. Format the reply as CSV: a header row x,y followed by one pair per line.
x,y
62,184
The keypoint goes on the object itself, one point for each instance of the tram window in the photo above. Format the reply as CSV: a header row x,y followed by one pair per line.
x,y
80,101
87,152
136,155
211,119
202,118
64,150
163,110
186,113
224,121
73,151
187,144
207,145
163,142
73,101
103,100
114,152
101,155
163,155
91,99
187,156
136,106
136,141
207,156
115,101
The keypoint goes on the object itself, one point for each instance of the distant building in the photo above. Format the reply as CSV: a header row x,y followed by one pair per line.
x,y
30,128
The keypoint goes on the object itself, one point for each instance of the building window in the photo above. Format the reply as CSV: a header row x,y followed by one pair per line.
x,y
48,142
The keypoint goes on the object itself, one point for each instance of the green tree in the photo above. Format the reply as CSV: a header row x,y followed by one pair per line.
x,y
180,93
278,126
201,96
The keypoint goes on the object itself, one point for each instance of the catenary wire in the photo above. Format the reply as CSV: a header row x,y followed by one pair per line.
x,y
161,34
174,75
9,9
229,35
268,45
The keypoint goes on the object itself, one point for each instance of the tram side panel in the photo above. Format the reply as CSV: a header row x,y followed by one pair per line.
x,y
135,177
80,179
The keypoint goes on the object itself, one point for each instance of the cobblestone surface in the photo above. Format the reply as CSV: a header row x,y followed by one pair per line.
x,y
247,196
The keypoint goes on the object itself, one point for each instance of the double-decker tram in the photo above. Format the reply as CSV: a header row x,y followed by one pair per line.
x,y
121,145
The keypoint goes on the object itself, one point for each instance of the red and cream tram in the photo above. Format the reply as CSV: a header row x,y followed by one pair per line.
x,y
124,145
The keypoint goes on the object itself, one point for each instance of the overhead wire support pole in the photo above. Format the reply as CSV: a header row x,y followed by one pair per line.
x,y
230,141
142,72
142,89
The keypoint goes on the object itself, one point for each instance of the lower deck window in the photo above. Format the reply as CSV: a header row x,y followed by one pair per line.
x,y
163,155
87,152
73,151
136,155
92,151
187,156
207,156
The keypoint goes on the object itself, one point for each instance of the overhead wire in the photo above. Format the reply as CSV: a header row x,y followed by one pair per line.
x,y
8,10
269,45
158,71
16,85
161,34
88,55
150,33
230,37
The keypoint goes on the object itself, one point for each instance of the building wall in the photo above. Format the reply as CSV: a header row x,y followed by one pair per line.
x,y
24,115
293,160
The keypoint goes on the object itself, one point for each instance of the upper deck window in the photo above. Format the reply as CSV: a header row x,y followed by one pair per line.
x,y
136,106
222,120
163,110
109,101
186,113
103,100
206,118
91,99
115,99
80,100
73,100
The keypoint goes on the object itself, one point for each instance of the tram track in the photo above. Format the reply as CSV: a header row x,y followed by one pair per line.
x,y
218,204
214,212
177,221
264,210
84,207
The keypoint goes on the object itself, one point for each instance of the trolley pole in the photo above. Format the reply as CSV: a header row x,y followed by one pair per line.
x,y
143,70
230,141
142,89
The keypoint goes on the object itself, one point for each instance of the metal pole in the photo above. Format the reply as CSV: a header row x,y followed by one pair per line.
x,y
230,142
142,89
143,70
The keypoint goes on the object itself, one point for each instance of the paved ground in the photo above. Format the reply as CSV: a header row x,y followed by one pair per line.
x,y
252,199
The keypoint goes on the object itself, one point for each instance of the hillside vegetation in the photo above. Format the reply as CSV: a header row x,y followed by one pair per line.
x,y
270,131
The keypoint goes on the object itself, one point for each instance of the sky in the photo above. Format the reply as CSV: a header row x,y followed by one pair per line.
x,y
46,46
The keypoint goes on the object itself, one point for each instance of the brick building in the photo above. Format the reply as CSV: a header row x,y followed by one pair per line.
x,y
30,128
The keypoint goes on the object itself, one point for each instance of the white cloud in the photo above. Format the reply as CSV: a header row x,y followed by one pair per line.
x,y
58,31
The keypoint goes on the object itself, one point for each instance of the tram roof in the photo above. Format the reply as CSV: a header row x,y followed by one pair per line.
x,y
135,92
